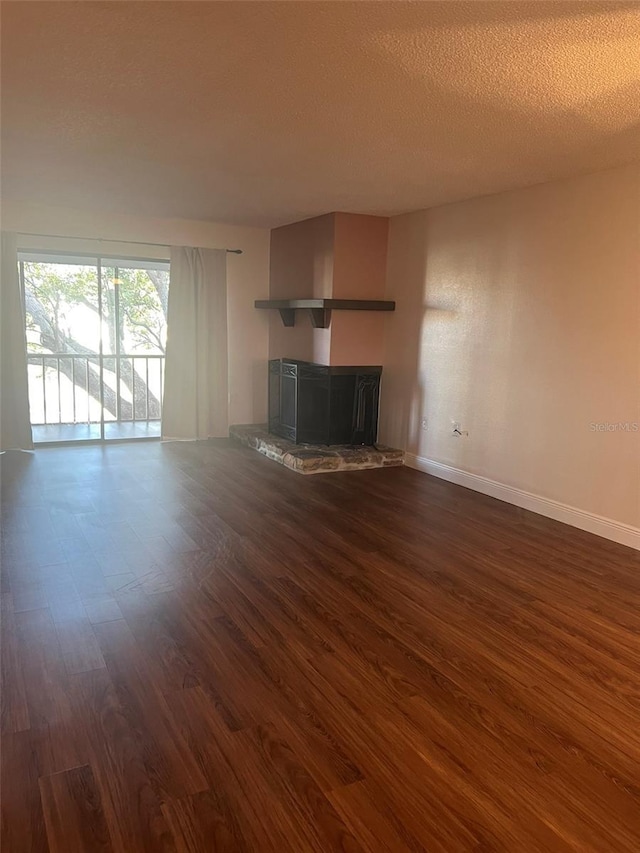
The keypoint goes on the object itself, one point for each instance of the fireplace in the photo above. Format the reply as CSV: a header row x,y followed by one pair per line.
x,y
318,404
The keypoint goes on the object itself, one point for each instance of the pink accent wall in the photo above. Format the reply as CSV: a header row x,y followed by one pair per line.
x,y
359,272
339,256
360,256
301,266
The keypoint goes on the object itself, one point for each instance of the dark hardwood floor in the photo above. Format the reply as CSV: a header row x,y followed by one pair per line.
x,y
203,651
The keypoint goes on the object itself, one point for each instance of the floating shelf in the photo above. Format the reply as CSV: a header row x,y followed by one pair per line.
x,y
320,309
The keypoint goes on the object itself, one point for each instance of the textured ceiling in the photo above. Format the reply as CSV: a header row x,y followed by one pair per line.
x,y
264,113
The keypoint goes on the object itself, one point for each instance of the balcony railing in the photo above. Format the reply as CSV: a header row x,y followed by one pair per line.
x,y
72,388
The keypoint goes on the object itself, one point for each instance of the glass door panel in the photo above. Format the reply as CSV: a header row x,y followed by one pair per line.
x,y
62,315
110,400
141,295
96,333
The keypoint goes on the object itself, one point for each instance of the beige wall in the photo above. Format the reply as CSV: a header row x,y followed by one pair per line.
x,y
518,315
247,277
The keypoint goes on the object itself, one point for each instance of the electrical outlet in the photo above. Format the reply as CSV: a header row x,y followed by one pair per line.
x,y
424,424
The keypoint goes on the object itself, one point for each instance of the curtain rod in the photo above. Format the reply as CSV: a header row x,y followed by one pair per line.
x,y
128,242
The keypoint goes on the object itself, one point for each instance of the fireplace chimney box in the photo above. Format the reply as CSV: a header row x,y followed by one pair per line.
x,y
327,285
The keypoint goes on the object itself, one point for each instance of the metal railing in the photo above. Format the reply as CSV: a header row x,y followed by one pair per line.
x,y
75,388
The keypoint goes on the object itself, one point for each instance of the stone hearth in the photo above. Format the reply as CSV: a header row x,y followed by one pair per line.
x,y
313,458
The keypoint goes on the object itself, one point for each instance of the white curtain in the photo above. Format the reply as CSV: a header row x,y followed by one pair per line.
x,y
195,404
15,425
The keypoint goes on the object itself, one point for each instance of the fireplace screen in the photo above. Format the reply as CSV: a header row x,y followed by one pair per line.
x,y
317,404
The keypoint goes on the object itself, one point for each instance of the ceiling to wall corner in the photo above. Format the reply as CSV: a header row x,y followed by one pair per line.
x,y
263,113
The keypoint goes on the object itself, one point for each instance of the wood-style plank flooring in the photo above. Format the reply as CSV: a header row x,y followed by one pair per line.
x,y
203,651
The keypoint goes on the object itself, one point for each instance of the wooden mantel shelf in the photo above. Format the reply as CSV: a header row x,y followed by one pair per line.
x,y
320,309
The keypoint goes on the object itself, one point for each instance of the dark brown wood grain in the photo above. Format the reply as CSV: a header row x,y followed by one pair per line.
x,y
73,812
204,651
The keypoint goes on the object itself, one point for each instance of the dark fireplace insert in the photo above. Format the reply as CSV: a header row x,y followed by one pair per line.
x,y
318,404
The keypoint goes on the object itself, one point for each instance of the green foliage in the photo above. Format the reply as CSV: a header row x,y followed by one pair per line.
x,y
54,291
142,312
56,288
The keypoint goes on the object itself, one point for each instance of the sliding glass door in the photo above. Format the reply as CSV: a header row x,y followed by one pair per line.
x,y
134,305
96,334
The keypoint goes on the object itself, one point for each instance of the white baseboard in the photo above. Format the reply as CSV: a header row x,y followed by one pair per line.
x,y
625,534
